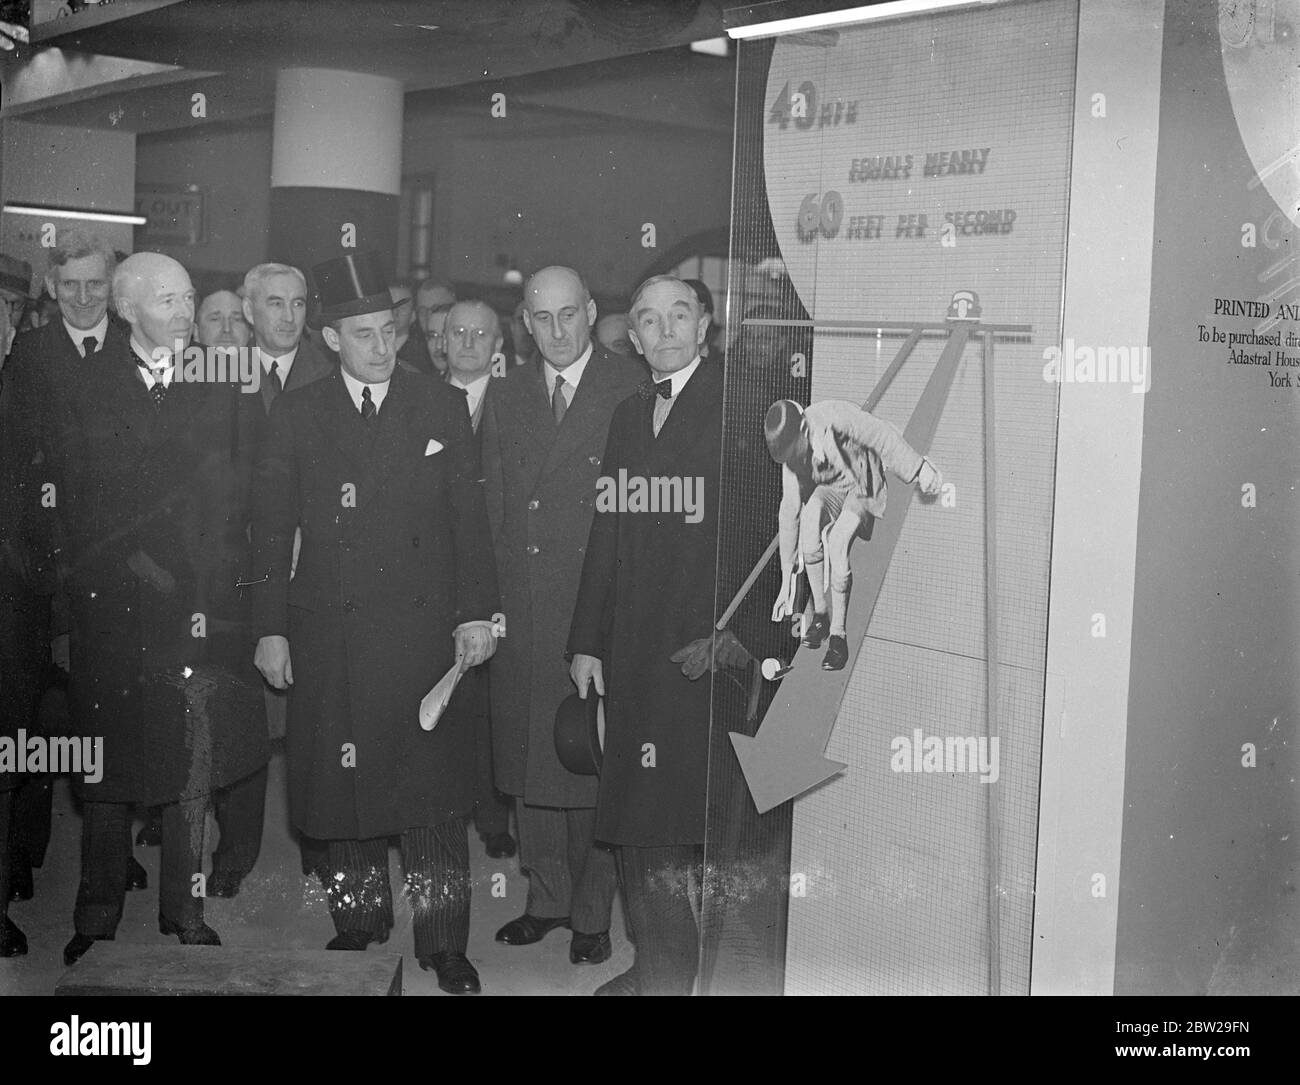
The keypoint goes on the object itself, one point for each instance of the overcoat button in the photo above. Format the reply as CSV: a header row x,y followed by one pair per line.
x,y
594,461
349,605
533,549
421,600
534,504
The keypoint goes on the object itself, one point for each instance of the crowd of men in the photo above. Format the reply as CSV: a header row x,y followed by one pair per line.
x,y
218,568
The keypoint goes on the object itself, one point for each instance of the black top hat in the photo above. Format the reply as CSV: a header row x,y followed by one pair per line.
x,y
350,285
782,426
577,735
16,276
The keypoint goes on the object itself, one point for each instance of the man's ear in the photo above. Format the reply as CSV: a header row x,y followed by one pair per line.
x,y
636,342
51,287
126,309
528,321
248,310
496,347
591,312
331,338
702,330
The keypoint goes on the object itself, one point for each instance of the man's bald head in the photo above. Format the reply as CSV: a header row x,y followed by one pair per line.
x,y
558,313
153,294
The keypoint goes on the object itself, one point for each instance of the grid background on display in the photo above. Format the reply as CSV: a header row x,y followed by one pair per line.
x,y
897,862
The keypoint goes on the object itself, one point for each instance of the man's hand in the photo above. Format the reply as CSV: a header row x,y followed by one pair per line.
x,y
475,644
785,600
151,572
710,653
586,670
272,659
928,478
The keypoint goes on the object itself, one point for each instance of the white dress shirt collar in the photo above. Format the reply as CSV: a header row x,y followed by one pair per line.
x,y
99,331
284,361
149,371
474,390
572,374
681,377
354,387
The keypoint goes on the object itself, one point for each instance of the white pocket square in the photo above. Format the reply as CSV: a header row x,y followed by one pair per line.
x,y
432,447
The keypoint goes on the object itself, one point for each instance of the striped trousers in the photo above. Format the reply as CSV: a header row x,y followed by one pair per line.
x,y
435,862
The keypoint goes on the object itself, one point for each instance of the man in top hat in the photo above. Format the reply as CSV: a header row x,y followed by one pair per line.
x,y
641,636
376,465
155,672
544,439
833,456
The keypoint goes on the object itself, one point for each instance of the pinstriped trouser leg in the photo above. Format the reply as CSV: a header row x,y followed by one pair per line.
x,y
435,860
356,885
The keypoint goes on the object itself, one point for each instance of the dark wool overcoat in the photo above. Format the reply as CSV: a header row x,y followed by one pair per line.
x,y
646,592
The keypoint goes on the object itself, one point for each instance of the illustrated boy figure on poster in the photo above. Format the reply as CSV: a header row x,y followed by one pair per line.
x,y
833,456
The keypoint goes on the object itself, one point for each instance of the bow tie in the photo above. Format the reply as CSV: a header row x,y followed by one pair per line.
x,y
664,389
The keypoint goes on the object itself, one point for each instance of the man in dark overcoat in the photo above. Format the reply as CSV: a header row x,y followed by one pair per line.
x,y
274,309
45,368
473,352
376,465
544,437
642,629
141,467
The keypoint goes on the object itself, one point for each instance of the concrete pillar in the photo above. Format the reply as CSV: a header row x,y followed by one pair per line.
x,y
336,165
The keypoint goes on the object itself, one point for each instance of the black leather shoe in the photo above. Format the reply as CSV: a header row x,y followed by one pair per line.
x,y
837,654
500,845
224,883
13,943
817,630
76,949
528,929
201,935
356,940
136,876
624,984
150,834
456,975
590,948
21,886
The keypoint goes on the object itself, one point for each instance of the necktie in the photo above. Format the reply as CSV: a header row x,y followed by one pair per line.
x,y
368,408
277,384
157,390
558,403
88,346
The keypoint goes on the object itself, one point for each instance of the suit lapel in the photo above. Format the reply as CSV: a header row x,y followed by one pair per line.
x,y
688,422
596,396
392,438
343,425
123,392
531,413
